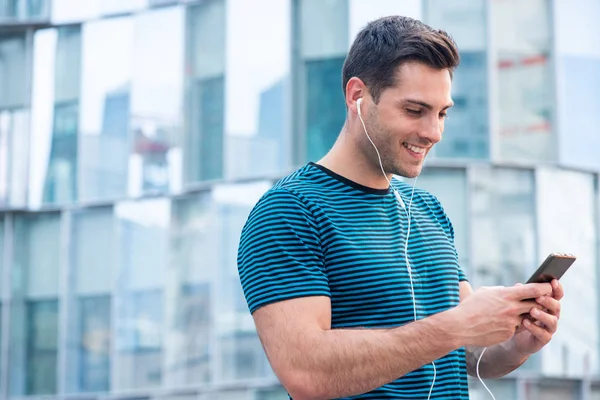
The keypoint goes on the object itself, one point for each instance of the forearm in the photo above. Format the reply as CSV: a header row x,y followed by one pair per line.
x,y
497,360
344,362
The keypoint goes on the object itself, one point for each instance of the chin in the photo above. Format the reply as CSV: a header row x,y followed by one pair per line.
x,y
410,172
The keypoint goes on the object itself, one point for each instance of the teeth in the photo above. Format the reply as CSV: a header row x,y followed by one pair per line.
x,y
416,149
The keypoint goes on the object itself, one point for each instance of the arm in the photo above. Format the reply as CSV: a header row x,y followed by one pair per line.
x,y
315,362
497,360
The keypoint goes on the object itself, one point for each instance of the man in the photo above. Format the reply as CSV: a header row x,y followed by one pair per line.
x,y
356,292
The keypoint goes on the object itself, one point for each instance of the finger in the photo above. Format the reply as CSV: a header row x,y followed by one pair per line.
x,y
550,321
550,304
539,333
557,289
529,291
524,307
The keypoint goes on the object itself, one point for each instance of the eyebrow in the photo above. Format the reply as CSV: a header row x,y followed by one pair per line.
x,y
423,104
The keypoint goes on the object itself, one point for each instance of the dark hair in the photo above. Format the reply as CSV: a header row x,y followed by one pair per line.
x,y
388,42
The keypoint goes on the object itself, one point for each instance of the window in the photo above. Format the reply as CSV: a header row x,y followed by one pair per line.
x,y
567,224
42,347
323,46
55,114
155,158
106,76
504,225
525,80
205,101
142,254
241,354
24,9
94,256
34,307
94,341
466,131
578,80
14,116
196,260
257,81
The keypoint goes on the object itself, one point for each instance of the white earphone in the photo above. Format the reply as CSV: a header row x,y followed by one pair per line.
x,y
409,268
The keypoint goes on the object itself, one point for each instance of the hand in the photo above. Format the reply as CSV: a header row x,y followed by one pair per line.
x,y
537,331
490,315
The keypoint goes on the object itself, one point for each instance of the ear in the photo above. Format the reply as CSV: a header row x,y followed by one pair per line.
x,y
355,90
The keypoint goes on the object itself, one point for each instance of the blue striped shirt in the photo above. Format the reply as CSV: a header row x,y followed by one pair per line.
x,y
315,233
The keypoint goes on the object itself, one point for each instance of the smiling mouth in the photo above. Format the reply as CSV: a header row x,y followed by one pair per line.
x,y
414,149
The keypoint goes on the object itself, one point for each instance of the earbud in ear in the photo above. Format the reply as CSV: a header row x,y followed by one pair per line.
x,y
358,102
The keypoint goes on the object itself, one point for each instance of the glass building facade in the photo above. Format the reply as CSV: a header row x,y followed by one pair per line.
x,y
136,135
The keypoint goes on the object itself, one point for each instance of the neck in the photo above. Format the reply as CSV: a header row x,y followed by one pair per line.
x,y
346,159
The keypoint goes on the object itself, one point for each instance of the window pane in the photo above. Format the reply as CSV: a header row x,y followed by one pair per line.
x,y
241,354
567,224
257,87
466,132
94,256
34,307
42,347
94,341
504,223
156,101
14,119
105,103
143,234
2,254
205,101
13,62
55,111
522,35
324,44
194,268
23,10
450,187
37,257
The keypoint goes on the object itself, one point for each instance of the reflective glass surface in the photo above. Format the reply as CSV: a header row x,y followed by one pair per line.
x,y
323,46
257,87
55,112
466,131
14,115
525,80
567,224
142,254
105,108
205,92
34,308
504,225
93,271
155,159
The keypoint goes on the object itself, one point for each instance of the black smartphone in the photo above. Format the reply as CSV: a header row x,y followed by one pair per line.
x,y
553,267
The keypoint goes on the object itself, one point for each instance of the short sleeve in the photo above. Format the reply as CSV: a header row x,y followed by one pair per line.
x,y
280,256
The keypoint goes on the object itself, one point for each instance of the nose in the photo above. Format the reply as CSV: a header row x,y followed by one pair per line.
x,y
432,129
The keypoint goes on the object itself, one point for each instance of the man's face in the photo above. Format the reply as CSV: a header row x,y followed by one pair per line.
x,y
409,119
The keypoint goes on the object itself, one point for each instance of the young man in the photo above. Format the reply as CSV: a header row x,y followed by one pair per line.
x,y
352,277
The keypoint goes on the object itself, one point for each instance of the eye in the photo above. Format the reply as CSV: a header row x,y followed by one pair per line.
x,y
444,115
413,112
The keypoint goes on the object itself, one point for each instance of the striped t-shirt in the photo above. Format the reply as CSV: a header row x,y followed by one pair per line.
x,y
316,233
